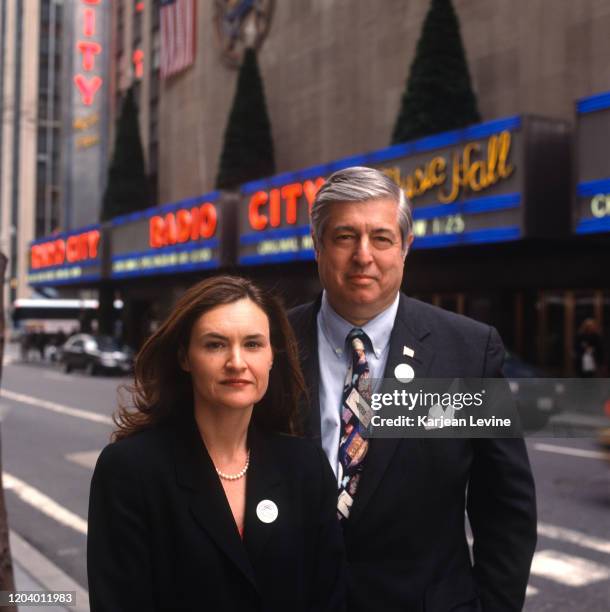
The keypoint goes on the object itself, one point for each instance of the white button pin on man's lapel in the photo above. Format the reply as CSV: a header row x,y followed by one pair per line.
x,y
403,372
408,351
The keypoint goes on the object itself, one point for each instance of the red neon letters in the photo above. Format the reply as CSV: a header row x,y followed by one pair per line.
x,y
289,194
183,225
138,61
89,49
89,21
78,247
87,87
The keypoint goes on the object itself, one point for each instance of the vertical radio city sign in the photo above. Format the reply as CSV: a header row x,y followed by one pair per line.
x,y
87,24
87,78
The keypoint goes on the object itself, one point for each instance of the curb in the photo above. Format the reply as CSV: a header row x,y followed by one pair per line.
x,y
46,572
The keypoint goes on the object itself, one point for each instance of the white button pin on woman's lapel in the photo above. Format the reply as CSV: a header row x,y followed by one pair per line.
x,y
267,511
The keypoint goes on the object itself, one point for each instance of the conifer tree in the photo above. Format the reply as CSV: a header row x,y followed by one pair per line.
x,y
127,188
247,152
439,95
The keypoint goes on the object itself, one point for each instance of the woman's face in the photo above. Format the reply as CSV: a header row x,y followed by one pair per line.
x,y
229,356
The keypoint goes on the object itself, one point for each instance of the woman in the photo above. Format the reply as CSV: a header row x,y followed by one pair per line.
x,y
203,502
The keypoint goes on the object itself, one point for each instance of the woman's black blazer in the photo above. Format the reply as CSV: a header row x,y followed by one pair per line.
x,y
162,536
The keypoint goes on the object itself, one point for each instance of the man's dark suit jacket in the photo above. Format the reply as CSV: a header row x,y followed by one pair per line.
x,y
405,539
162,536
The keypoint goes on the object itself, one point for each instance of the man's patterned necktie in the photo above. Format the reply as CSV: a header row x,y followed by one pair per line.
x,y
355,418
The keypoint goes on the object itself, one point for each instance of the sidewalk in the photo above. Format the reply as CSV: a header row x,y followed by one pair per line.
x,y
34,572
25,582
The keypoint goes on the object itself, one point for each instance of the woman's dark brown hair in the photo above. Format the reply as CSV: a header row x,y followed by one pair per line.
x,y
162,391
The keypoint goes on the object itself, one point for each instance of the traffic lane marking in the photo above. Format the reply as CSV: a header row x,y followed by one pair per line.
x,y
569,450
557,566
571,536
43,503
567,569
574,537
55,407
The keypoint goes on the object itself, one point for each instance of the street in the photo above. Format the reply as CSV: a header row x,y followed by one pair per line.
x,y
54,425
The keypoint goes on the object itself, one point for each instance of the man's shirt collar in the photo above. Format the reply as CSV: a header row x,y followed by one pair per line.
x,y
378,329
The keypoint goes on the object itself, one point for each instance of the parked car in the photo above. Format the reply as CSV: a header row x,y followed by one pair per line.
x,y
95,354
537,396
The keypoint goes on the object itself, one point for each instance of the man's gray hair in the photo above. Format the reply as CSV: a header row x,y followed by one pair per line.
x,y
359,184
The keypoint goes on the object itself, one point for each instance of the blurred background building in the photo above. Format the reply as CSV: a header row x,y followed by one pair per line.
x,y
85,47
54,129
334,72
30,145
332,76
135,61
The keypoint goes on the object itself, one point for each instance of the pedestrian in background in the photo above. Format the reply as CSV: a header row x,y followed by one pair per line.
x,y
206,500
589,350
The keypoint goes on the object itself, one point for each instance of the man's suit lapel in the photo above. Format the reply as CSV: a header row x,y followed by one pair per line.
x,y
207,500
307,330
408,332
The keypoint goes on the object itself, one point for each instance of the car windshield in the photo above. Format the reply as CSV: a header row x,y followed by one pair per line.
x,y
106,343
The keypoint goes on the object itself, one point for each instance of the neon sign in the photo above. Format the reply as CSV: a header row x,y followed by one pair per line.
x,y
88,84
182,226
468,170
138,61
265,207
75,248
600,205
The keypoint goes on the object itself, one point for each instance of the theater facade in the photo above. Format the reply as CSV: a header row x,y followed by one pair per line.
x,y
511,223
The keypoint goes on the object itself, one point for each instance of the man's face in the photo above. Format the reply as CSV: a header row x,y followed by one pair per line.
x,y
361,258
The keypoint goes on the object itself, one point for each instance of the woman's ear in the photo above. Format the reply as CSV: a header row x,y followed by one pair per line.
x,y
183,360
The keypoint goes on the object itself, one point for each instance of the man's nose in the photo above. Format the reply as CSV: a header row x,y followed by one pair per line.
x,y
362,253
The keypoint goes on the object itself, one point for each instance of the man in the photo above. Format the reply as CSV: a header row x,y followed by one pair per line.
x,y
402,501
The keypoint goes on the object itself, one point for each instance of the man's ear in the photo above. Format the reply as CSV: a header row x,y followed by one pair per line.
x,y
410,239
183,360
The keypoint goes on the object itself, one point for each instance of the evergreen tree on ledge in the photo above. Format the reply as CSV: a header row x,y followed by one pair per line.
x,y
439,94
247,152
127,188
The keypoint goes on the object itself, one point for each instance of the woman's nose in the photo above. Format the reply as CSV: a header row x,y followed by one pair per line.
x,y
235,360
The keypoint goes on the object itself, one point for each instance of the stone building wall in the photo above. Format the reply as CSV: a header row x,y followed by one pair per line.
x,y
334,72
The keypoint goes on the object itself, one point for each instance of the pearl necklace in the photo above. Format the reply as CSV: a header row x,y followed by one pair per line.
x,y
239,474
